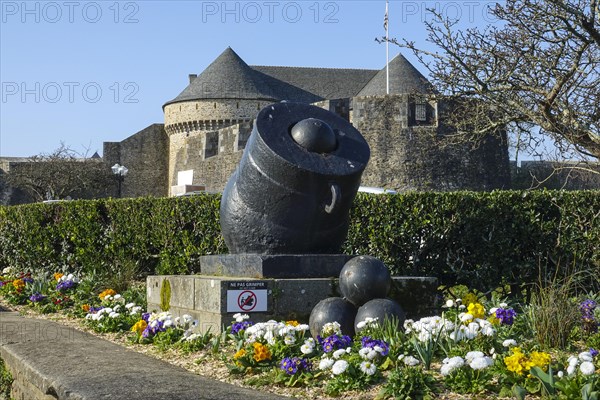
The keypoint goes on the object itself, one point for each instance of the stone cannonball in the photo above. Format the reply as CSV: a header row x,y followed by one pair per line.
x,y
314,135
364,278
381,309
332,309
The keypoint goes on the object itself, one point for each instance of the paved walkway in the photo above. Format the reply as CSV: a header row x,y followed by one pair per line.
x,y
65,363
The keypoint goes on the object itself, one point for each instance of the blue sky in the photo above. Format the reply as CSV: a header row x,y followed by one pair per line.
x,y
86,72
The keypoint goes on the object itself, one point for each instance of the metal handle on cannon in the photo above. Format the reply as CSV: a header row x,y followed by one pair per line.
x,y
335,198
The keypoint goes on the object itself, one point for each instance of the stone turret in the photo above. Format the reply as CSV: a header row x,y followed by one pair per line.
x,y
228,92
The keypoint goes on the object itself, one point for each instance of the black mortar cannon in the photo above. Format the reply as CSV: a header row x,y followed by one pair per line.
x,y
293,188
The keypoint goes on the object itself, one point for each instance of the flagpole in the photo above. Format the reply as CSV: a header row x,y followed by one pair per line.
x,y
387,47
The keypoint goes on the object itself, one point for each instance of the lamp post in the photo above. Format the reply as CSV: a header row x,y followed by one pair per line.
x,y
120,172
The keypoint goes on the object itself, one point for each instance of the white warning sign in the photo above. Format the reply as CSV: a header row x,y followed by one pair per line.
x,y
247,297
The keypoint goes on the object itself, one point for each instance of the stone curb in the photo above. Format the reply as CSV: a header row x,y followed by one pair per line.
x,y
52,361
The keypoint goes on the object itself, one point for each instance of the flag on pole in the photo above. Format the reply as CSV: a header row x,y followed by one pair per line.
x,y
387,46
386,18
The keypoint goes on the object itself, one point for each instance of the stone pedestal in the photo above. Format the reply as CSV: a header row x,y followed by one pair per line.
x,y
213,300
288,266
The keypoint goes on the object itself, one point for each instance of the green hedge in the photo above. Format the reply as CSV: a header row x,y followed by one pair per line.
x,y
478,239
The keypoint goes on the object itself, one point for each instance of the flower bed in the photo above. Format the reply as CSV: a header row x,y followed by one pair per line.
x,y
478,347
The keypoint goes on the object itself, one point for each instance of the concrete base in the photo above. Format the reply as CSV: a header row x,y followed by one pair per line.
x,y
214,300
289,266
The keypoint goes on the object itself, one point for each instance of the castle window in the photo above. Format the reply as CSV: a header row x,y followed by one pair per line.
x,y
215,106
258,106
421,112
237,104
211,144
196,106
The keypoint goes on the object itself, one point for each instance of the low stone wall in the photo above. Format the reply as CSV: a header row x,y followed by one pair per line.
x,y
209,298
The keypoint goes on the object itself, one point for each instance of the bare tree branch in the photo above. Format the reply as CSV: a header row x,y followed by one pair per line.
x,y
539,67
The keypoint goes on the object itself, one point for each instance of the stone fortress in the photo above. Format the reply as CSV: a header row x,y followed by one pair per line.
x,y
207,125
209,122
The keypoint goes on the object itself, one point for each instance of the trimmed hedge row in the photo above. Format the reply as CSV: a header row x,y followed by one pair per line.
x,y
477,239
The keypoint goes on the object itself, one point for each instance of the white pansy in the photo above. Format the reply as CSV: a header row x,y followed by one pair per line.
x,y
286,330
163,316
192,337
306,349
338,353
509,343
586,356
572,360
449,303
587,368
361,325
571,369
129,305
465,317
113,315
168,323
481,362
302,328
462,307
331,328
470,356
108,297
493,310
107,310
117,297
451,364
239,317
339,367
368,368
326,363
289,339
560,374
270,338
410,361
367,353
6,270
503,305
135,310
472,330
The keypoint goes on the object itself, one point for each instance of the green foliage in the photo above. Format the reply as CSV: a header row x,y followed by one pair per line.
x,y
165,295
467,380
482,240
553,313
6,381
479,239
408,383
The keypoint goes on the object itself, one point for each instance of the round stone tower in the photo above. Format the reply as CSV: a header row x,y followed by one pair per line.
x,y
228,92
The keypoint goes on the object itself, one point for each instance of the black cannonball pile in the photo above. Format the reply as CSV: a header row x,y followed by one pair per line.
x,y
364,284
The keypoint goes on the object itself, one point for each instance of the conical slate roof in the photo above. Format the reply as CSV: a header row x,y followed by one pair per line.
x,y
228,77
404,78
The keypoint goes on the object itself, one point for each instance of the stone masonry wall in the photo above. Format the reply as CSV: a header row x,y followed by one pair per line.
x,y
417,157
145,154
209,115
213,155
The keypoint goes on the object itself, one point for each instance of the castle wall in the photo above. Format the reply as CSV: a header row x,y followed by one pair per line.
x,y
145,154
212,155
410,155
209,115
